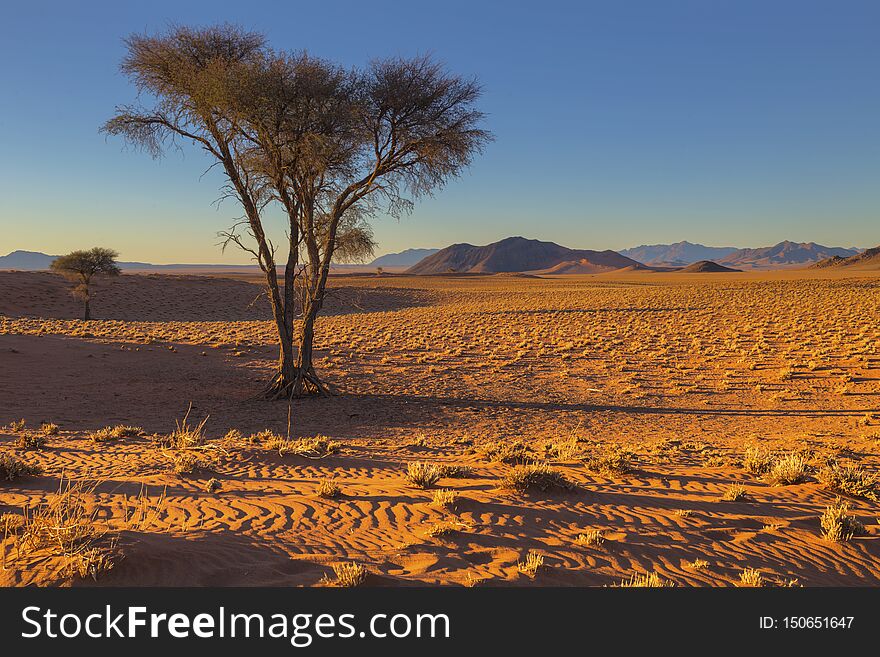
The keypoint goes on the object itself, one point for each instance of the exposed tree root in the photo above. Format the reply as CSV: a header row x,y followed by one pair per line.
x,y
302,383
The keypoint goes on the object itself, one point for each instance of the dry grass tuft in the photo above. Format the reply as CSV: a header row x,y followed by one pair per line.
x,y
697,564
115,433
442,529
612,462
451,471
536,476
423,475
310,448
531,564
30,441
65,528
13,468
328,489
49,429
751,578
212,485
510,453
838,525
445,498
349,574
650,580
591,537
758,460
850,479
734,493
788,469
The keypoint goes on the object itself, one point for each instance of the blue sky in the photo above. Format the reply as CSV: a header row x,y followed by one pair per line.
x,y
617,123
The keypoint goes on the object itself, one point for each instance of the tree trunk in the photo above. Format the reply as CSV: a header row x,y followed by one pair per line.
x,y
306,380
88,314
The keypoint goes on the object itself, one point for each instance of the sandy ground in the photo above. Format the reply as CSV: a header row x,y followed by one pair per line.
x,y
683,372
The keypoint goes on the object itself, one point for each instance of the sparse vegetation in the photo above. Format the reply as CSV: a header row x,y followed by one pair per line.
x,y
788,469
649,580
591,537
751,578
849,479
311,448
734,493
510,453
532,563
328,489
444,498
349,574
539,476
838,525
610,463
12,467
423,475
107,434
30,440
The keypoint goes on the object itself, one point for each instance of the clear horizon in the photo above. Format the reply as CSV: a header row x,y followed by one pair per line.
x,y
726,124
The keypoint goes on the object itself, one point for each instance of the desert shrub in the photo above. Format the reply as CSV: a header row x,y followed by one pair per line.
x,y
13,468
564,449
592,537
611,462
91,562
444,498
349,574
107,434
536,476
734,493
328,489
32,441
49,429
184,462
311,448
650,580
838,525
510,453
697,564
451,471
751,578
423,475
212,485
16,425
788,469
531,564
441,529
757,460
10,523
185,435
850,479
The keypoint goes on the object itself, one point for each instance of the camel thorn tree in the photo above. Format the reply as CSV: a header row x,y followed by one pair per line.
x,y
332,147
81,266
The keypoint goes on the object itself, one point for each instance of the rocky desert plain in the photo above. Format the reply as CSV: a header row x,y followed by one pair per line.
x,y
631,428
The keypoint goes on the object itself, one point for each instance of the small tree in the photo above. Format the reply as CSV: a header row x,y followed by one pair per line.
x,y
81,266
333,147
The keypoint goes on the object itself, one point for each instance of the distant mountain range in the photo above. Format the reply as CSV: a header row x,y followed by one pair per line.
x,y
679,254
518,254
784,254
867,259
403,259
34,260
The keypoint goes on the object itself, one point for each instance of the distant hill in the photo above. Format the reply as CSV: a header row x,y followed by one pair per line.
x,y
867,259
676,255
706,267
403,259
26,260
518,254
36,261
784,254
